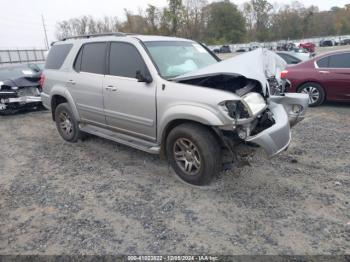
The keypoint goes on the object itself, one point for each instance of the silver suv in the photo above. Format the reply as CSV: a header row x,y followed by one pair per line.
x,y
168,96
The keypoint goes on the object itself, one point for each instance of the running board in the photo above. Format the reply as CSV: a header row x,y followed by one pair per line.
x,y
122,139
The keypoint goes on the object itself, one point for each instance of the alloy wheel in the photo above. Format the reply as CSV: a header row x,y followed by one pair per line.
x,y
313,92
65,123
187,156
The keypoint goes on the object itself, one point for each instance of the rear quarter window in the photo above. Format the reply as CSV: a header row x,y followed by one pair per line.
x,y
57,55
323,62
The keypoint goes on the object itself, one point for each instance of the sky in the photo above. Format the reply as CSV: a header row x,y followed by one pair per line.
x,y
21,24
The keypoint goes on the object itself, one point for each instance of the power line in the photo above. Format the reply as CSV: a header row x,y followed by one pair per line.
x,y
44,27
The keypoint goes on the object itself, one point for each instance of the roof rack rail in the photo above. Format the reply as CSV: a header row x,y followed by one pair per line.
x,y
94,35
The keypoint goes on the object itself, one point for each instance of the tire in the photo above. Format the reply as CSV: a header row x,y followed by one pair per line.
x,y
315,91
197,146
66,124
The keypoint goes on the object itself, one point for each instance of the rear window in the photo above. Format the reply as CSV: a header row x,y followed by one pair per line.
x,y
7,73
57,55
93,59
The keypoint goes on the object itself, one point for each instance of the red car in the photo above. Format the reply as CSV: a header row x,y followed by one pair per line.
x,y
325,77
308,46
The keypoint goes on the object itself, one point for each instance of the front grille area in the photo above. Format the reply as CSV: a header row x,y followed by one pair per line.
x,y
28,91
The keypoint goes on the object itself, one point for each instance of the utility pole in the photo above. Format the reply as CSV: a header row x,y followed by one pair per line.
x,y
44,27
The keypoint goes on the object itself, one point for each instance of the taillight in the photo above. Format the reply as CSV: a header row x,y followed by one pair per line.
x,y
284,74
42,80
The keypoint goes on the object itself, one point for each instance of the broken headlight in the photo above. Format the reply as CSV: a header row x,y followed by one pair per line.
x,y
235,109
254,102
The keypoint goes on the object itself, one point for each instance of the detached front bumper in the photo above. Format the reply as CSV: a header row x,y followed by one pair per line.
x,y
11,99
277,137
287,111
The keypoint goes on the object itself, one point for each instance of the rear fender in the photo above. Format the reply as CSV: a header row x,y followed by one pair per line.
x,y
62,91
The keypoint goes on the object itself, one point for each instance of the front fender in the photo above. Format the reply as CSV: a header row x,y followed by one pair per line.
x,y
198,114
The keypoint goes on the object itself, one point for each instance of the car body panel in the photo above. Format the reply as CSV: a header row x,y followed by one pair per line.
x,y
335,81
258,65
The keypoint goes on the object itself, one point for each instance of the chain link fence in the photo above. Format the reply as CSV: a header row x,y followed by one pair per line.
x,y
21,56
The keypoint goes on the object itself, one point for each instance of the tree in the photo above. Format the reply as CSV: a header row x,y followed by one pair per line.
x,y
153,19
225,23
174,14
261,13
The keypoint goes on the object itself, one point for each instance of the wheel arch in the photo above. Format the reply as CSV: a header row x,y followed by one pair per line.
x,y
177,122
312,81
61,96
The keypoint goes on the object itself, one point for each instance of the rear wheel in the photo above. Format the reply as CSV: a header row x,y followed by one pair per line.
x,y
315,92
66,123
194,153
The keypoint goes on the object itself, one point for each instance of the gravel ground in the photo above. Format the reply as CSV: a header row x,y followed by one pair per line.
x,y
99,197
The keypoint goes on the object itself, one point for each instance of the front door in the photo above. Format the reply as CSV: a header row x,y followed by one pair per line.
x,y
129,105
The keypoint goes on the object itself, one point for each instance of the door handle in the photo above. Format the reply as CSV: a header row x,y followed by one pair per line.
x,y
324,72
71,82
111,88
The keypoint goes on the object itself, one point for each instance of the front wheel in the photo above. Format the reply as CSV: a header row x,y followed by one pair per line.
x,y
194,153
315,92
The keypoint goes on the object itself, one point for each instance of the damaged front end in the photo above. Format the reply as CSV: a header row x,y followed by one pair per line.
x,y
22,92
263,115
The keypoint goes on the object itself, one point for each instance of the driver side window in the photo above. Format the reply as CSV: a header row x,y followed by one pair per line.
x,y
125,60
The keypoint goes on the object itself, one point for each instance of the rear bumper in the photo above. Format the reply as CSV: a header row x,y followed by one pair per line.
x,y
277,137
23,100
45,98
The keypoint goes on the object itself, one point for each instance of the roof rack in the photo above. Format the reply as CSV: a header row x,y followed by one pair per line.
x,y
95,35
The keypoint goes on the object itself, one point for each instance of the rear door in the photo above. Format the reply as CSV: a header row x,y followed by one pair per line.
x,y
130,106
86,81
335,73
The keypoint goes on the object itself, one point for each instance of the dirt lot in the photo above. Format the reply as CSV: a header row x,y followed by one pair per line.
x,y
98,197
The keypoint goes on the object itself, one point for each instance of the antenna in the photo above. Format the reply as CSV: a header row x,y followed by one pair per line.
x,y
44,27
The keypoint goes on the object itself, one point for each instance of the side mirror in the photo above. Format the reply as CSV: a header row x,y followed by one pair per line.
x,y
143,78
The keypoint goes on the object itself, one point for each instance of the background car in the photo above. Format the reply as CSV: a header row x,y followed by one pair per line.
x,y
325,77
310,47
345,41
328,42
225,49
289,58
298,53
19,87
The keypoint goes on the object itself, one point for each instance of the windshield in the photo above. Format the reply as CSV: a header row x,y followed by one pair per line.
x,y
174,58
7,73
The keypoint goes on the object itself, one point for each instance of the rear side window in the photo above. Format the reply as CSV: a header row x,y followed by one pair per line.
x,y
57,55
125,60
339,61
93,58
289,59
323,62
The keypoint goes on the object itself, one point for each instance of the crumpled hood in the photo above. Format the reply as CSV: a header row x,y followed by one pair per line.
x,y
259,65
23,81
